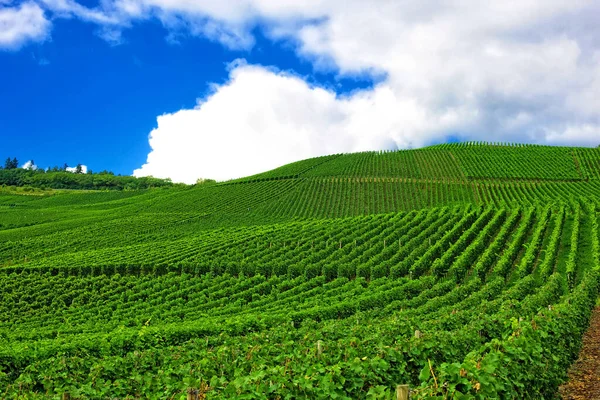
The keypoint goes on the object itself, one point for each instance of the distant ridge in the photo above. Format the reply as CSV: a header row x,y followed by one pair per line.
x,y
470,160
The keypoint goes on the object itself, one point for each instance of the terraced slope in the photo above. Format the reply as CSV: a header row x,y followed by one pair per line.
x,y
342,276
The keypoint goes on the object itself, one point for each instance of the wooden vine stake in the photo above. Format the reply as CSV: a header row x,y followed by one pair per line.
x,y
319,348
402,392
418,334
192,394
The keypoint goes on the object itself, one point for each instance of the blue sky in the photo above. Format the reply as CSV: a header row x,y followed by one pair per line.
x,y
78,99
213,89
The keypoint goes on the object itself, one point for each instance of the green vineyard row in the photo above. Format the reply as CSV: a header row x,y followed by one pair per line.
x,y
466,271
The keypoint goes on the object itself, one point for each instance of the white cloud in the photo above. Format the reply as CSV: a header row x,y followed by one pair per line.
x,y
29,165
515,70
22,24
586,134
112,36
262,119
68,8
277,117
84,169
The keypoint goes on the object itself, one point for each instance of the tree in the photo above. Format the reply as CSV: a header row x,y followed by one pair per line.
x,y
202,181
78,169
11,164
65,166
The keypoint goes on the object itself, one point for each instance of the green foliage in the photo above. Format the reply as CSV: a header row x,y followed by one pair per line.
x,y
518,163
11,163
308,281
68,180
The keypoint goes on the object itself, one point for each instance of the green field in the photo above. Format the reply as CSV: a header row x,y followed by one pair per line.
x,y
463,270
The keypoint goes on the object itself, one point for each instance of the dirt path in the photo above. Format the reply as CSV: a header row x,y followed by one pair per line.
x,y
584,375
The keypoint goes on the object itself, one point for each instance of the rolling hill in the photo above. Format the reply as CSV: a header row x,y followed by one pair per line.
x,y
463,270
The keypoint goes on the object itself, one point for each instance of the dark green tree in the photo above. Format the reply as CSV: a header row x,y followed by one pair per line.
x,y
11,164
79,169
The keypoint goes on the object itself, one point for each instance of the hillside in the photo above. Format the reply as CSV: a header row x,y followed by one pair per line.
x,y
461,268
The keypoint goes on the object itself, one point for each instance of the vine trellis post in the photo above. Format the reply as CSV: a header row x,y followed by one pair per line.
x,y
402,392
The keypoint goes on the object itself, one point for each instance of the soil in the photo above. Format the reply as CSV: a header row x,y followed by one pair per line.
x,y
584,374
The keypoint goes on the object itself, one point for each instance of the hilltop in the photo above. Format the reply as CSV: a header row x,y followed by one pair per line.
x,y
442,268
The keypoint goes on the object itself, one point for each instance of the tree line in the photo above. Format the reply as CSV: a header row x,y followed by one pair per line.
x,y
62,178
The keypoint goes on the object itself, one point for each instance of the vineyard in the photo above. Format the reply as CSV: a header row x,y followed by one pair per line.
x,y
465,271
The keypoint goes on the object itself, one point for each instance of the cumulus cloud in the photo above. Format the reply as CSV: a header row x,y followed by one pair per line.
x,y
22,24
259,120
526,71
263,118
29,165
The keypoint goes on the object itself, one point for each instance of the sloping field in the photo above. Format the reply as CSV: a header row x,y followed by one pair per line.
x,y
464,271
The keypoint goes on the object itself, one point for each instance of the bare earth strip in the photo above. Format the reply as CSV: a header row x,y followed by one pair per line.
x,y
584,375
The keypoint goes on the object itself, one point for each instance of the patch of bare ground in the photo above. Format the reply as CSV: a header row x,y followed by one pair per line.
x,y
584,374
